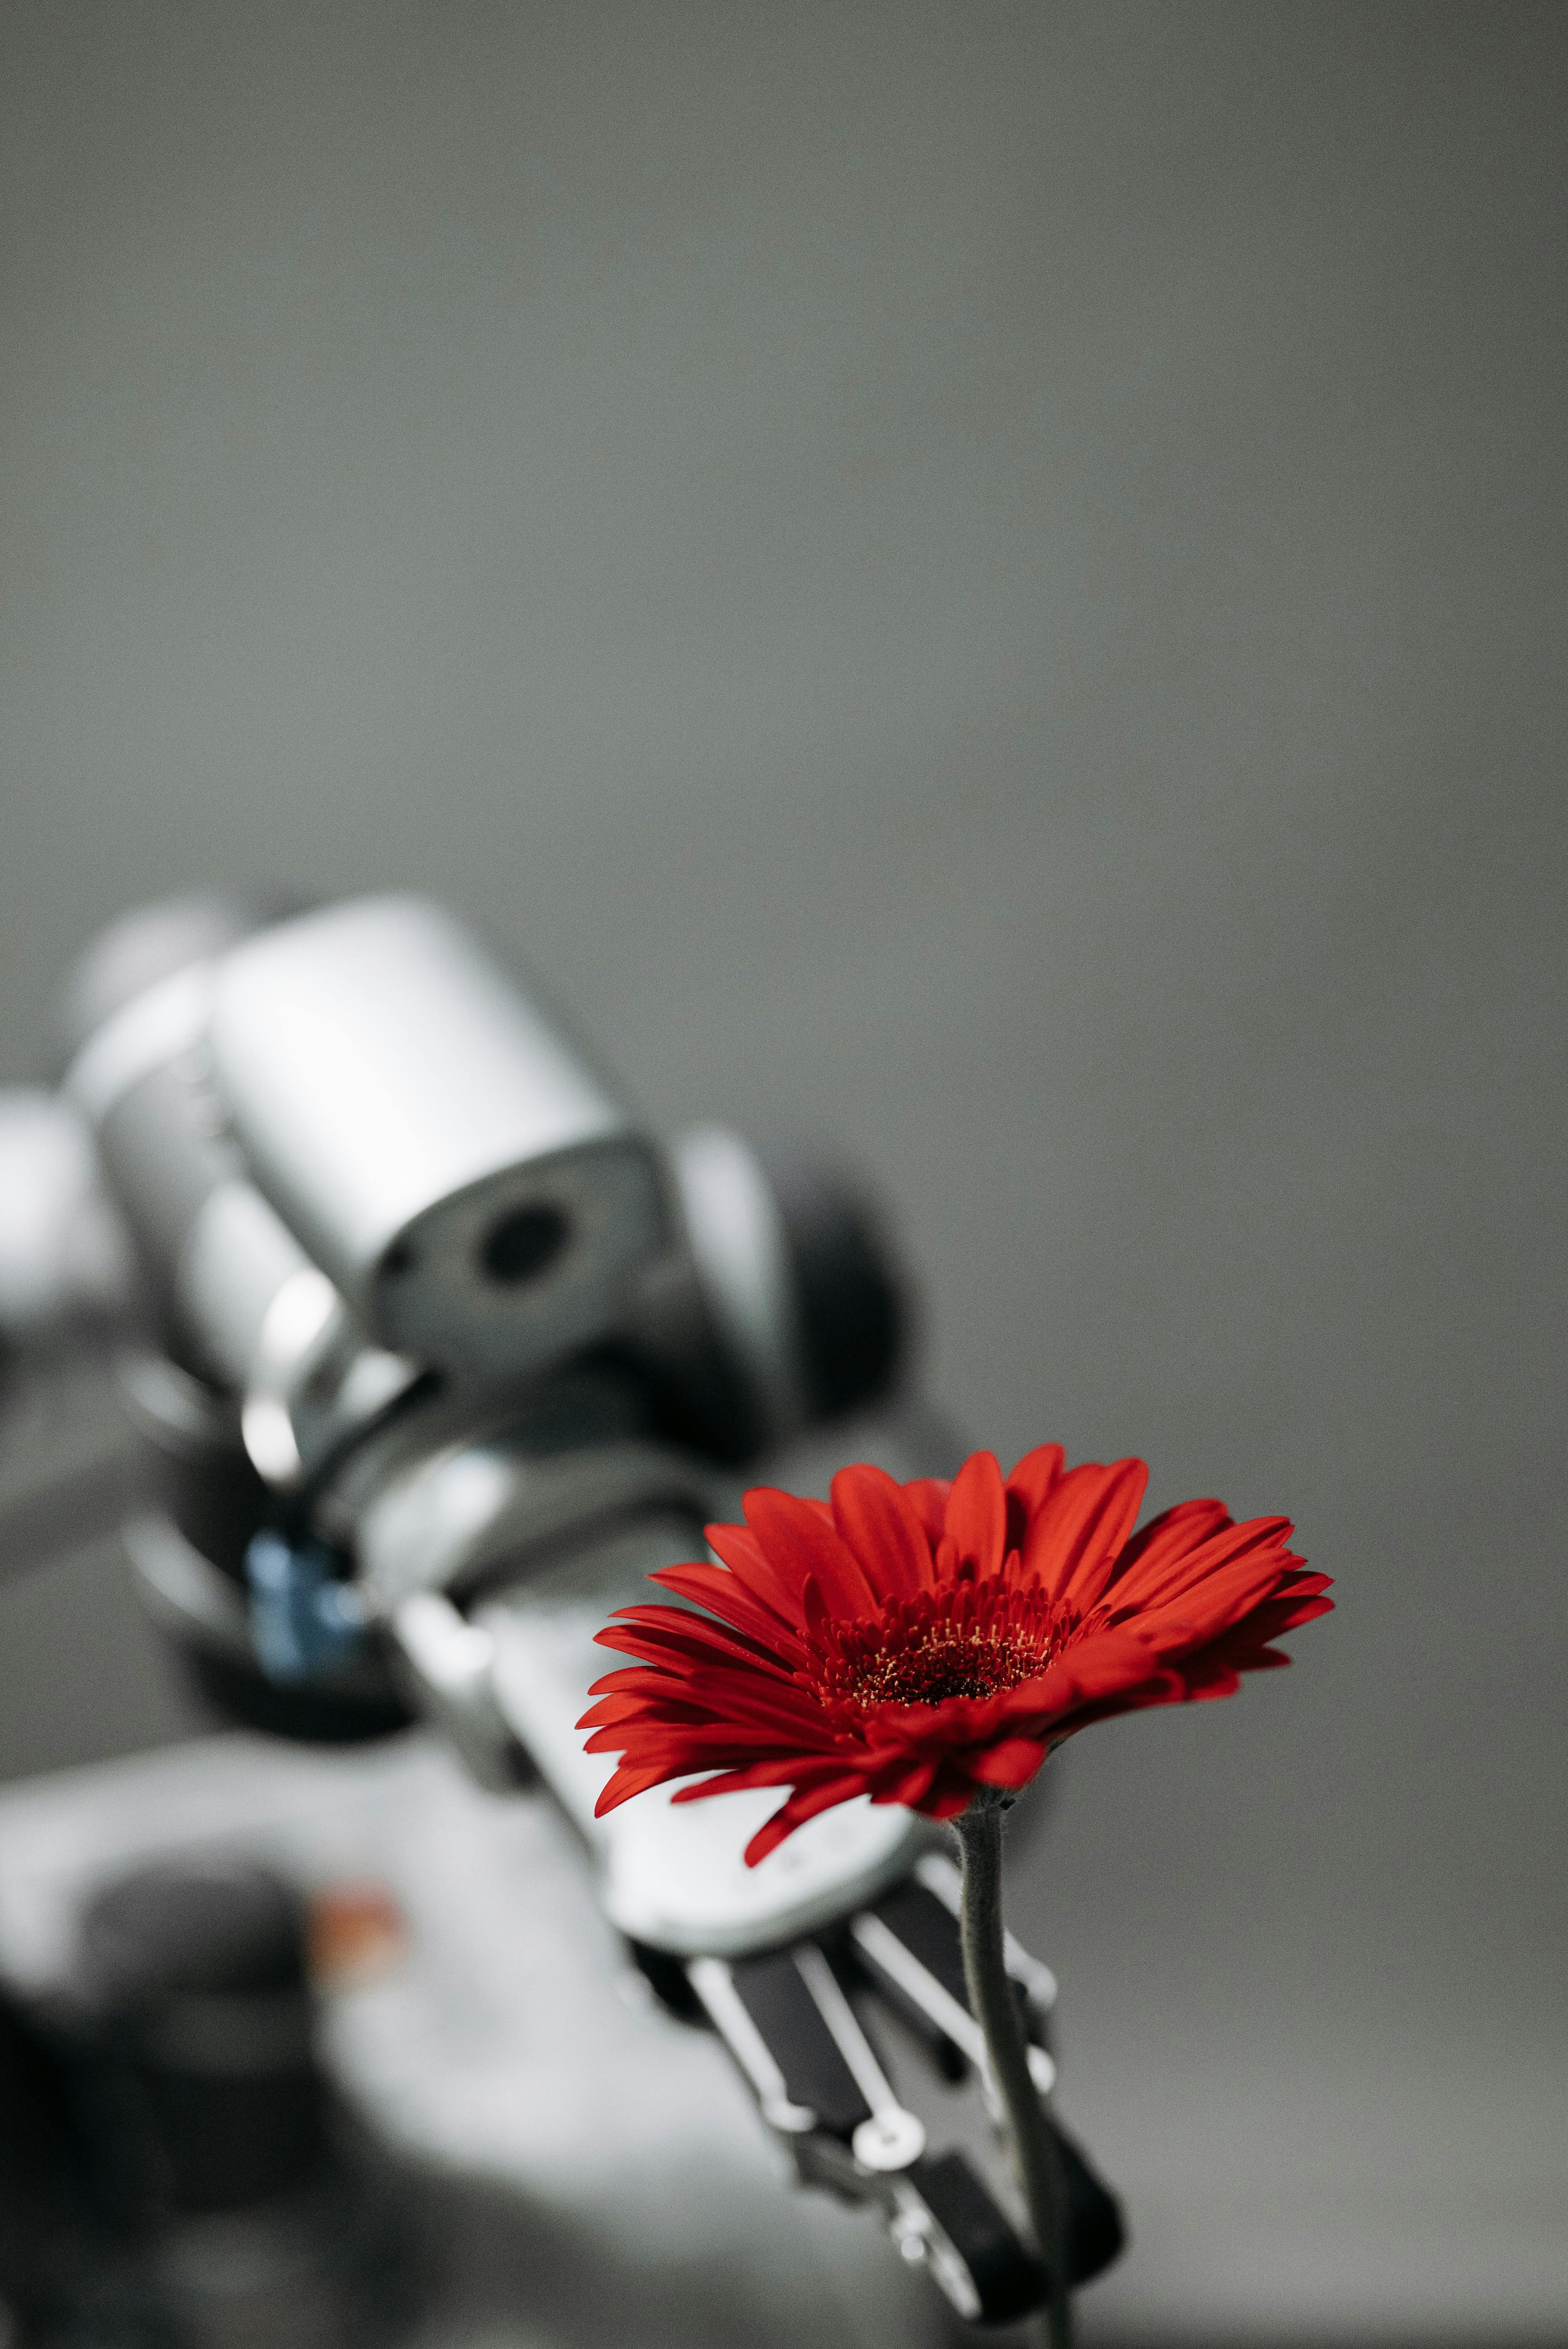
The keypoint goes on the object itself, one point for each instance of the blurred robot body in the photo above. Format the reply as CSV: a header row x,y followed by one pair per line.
x,y
435,1356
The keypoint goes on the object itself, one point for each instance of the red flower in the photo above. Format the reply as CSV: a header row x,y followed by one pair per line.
x,y
916,1642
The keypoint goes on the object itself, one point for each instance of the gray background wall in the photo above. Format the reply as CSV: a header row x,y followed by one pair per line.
x,y
988,578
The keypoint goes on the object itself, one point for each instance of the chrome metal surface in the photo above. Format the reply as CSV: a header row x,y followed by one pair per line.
x,y
154,1027
448,1665
404,1105
738,1244
888,1953
893,2138
714,1985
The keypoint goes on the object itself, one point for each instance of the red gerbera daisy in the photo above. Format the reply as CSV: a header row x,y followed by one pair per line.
x,y
914,1642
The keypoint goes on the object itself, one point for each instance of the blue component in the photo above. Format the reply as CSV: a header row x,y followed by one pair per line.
x,y
305,1622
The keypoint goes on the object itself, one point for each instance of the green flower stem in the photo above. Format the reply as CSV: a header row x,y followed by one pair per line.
x,y
1035,2148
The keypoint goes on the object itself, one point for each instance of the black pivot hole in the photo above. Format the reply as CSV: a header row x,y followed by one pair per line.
x,y
519,1247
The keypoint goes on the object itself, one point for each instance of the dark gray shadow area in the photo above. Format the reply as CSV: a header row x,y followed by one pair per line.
x,y
84,1675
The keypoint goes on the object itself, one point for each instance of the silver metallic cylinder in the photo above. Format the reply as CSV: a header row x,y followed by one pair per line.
x,y
138,1082
238,1300
442,1153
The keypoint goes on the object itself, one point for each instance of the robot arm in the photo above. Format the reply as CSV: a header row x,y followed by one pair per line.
x,y
448,1358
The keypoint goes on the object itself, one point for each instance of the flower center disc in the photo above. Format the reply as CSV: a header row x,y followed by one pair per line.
x,y
944,1664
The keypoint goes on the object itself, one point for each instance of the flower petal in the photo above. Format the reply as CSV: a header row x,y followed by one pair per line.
x,y
976,1522
747,1776
1166,1575
800,1807
722,1593
927,1496
1074,1541
1213,1601
1100,1665
952,1791
1163,1542
880,1525
1029,1487
800,1540
677,1632
908,1783
1011,1762
777,1591
624,1786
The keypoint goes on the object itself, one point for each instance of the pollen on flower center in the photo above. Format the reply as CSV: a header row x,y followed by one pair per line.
x,y
947,1664
974,1640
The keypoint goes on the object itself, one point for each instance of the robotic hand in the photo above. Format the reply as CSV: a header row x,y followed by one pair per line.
x,y
442,1360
